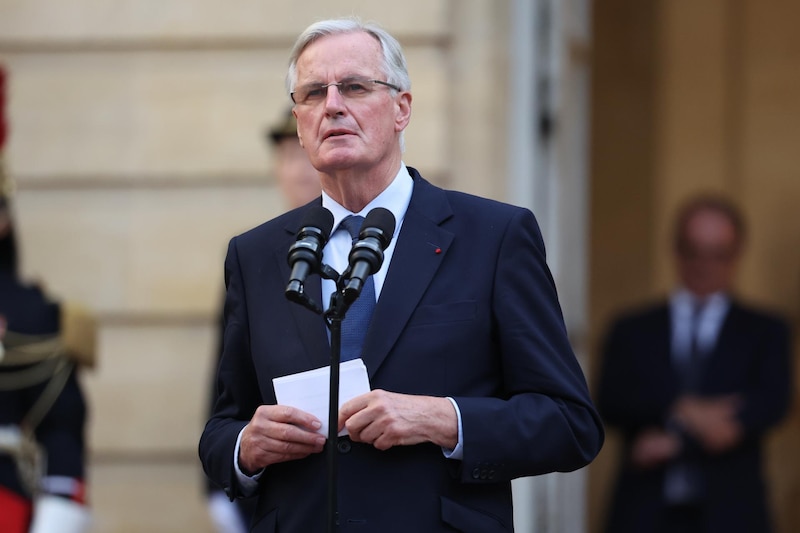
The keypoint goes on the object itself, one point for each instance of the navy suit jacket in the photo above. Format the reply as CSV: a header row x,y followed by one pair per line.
x,y
639,385
468,310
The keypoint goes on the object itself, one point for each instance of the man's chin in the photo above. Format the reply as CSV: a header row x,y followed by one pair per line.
x,y
337,159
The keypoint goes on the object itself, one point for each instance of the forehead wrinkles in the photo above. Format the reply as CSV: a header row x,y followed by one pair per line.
x,y
333,57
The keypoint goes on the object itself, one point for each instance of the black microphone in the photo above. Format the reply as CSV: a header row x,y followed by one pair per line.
x,y
366,256
305,255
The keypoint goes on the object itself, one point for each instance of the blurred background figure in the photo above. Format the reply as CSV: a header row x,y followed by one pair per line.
x,y
298,180
42,408
694,383
299,184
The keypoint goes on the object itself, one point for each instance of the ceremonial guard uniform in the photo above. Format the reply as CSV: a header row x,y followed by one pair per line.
x,y
42,408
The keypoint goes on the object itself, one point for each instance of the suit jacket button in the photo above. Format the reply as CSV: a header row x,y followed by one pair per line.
x,y
344,446
476,473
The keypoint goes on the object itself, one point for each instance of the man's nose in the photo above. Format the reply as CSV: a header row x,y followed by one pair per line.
x,y
334,101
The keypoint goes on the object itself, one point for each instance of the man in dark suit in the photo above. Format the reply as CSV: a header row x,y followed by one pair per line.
x,y
694,384
473,379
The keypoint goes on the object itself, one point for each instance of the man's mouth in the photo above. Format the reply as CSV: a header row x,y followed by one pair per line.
x,y
337,133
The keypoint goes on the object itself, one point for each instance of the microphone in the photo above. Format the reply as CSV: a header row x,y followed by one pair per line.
x,y
305,255
366,256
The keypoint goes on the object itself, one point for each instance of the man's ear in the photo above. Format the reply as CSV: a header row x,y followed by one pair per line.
x,y
299,137
403,116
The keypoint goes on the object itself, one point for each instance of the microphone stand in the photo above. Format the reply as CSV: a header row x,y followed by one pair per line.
x,y
368,256
333,319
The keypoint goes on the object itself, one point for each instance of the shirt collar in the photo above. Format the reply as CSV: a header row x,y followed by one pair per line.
x,y
683,300
395,198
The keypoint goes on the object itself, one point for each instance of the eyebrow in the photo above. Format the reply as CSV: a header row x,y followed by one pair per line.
x,y
345,77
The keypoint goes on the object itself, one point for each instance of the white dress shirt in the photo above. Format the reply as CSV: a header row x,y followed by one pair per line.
x,y
709,322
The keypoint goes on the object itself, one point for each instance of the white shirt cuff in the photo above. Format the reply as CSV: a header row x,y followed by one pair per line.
x,y
458,451
248,485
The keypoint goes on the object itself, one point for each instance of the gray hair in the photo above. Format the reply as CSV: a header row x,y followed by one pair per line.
x,y
394,62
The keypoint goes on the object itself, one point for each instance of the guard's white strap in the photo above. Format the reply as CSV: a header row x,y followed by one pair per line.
x,y
52,514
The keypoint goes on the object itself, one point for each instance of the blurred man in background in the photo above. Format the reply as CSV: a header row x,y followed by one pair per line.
x,y
298,180
299,184
694,384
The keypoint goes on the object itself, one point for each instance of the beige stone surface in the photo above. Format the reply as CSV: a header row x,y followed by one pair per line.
x,y
155,115
134,115
44,20
137,250
150,391
136,495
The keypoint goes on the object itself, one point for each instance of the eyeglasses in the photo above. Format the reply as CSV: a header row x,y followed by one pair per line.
x,y
350,88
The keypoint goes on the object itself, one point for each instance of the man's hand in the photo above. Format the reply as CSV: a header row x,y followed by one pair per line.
x,y
385,419
278,433
653,447
712,421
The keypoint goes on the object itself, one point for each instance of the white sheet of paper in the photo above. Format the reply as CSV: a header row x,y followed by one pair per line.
x,y
309,390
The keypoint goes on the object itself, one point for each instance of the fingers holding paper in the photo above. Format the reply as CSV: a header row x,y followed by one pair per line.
x,y
385,419
278,433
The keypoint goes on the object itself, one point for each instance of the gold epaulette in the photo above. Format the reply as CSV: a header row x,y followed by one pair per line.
x,y
78,334
76,341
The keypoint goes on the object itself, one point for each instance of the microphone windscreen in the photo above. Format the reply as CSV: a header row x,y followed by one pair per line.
x,y
319,217
382,219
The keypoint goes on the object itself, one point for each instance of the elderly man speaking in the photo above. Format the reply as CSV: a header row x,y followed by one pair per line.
x,y
472,381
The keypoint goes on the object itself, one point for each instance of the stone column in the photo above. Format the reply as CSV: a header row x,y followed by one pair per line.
x,y
548,161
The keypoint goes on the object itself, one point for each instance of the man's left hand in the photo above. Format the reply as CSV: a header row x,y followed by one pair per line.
x,y
713,421
385,419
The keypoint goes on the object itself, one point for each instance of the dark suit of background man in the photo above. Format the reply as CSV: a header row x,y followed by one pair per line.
x,y
473,379
694,383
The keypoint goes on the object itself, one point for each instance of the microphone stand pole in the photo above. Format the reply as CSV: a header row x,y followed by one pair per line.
x,y
370,253
334,316
333,319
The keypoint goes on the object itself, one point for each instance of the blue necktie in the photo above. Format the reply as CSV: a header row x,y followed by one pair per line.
x,y
358,316
694,363
683,479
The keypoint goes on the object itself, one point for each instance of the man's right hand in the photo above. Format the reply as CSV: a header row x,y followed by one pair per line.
x,y
654,447
278,433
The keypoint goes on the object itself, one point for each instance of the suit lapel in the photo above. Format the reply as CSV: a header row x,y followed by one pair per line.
x,y
718,360
421,247
665,359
